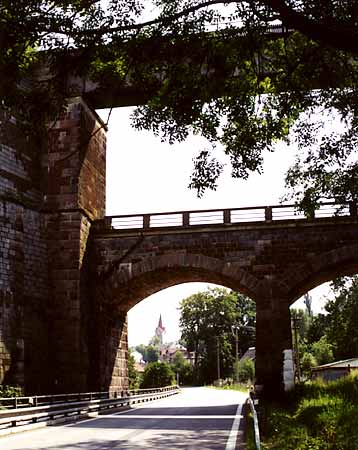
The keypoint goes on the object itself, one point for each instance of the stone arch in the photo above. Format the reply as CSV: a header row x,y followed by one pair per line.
x,y
319,269
131,283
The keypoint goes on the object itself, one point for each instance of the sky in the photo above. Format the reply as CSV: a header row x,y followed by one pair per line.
x,y
145,175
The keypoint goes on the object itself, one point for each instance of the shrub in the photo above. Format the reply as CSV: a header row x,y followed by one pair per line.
x,y
245,370
10,391
157,374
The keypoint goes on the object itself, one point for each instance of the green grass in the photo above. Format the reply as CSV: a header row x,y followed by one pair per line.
x,y
242,387
318,416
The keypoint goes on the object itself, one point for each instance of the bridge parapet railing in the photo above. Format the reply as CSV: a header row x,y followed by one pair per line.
x,y
224,216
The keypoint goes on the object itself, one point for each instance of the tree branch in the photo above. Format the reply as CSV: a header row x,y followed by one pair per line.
x,y
164,20
337,36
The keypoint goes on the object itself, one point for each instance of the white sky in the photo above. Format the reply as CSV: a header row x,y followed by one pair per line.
x,y
145,175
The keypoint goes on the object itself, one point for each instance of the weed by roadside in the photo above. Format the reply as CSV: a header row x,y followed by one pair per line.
x,y
317,416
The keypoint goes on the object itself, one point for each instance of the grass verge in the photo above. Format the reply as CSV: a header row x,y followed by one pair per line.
x,y
317,416
242,387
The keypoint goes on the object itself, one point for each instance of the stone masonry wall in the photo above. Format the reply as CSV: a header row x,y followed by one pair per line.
x,y
75,196
289,256
23,265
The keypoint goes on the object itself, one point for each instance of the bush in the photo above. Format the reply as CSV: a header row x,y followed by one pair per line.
x,y
157,374
245,370
10,391
183,368
307,362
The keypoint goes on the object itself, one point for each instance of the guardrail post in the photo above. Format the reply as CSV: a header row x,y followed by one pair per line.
x,y
227,215
268,213
15,402
146,221
186,219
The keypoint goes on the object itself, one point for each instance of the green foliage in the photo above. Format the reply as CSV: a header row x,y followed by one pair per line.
x,y
157,374
314,346
243,87
150,353
307,362
320,417
10,391
183,368
133,376
317,328
206,322
245,370
322,350
342,317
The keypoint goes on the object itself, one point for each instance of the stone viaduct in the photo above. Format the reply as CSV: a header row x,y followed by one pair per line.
x,y
69,275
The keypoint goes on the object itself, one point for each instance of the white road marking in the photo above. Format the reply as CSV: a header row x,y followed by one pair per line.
x,y
164,416
231,442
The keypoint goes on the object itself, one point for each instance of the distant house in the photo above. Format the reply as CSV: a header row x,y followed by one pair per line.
x,y
168,351
332,371
249,354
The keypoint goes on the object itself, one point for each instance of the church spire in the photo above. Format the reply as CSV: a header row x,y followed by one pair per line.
x,y
160,330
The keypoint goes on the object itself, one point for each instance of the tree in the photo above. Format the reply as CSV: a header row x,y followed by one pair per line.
x,y
132,373
183,368
342,315
150,353
322,351
311,341
245,370
206,322
244,87
317,328
157,374
307,362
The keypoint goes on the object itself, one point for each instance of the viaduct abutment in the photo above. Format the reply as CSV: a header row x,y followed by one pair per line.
x,y
49,197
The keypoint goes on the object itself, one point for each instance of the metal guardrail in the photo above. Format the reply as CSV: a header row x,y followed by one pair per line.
x,y
256,423
227,216
25,415
52,399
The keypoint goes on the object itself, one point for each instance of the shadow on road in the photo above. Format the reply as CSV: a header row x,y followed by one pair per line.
x,y
164,440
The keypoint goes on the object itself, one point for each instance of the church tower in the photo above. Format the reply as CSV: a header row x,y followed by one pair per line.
x,y
160,330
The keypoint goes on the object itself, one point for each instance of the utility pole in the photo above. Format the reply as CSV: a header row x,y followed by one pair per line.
x,y
236,335
218,356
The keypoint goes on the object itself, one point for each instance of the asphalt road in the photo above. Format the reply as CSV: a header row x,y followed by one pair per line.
x,y
197,418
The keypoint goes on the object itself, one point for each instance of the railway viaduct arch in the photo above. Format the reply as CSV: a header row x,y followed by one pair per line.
x,y
272,261
67,280
69,274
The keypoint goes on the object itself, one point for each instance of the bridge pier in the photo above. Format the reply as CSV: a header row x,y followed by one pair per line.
x,y
274,369
109,350
75,197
